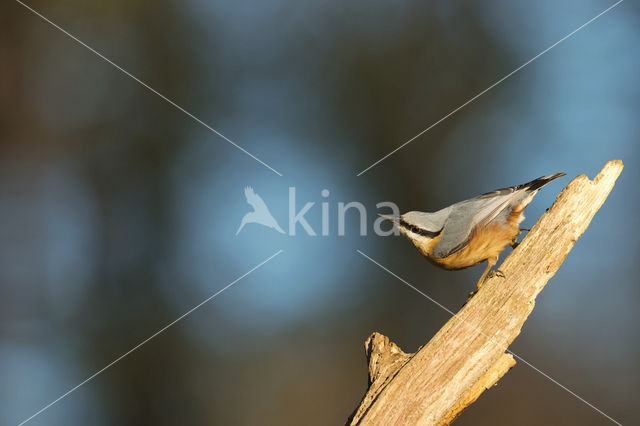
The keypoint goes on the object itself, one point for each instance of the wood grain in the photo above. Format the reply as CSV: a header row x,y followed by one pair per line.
x,y
467,355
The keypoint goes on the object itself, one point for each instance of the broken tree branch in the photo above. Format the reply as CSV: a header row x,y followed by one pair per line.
x,y
467,355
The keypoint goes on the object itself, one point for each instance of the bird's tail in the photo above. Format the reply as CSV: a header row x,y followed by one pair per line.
x,y
541,181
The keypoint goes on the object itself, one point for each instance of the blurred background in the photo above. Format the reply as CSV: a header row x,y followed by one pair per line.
x,y
118,212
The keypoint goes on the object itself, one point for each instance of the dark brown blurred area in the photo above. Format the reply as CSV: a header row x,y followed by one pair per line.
x,y
118,211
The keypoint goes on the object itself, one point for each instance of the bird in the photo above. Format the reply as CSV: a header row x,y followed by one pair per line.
x,y
260,213
472,231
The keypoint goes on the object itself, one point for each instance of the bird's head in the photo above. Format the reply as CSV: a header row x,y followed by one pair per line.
x,y
417,226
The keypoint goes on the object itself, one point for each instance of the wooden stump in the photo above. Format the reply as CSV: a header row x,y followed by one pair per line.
x,y
467,355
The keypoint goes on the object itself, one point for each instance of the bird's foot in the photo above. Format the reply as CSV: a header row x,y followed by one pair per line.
x,y
514,242
495,273
471,294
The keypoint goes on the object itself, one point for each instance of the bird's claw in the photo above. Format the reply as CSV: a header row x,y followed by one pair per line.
x,y
514,242
496,273
471,294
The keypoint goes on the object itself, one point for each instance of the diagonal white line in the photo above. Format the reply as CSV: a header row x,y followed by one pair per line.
x,y
490,339
145,85
67,393
491,87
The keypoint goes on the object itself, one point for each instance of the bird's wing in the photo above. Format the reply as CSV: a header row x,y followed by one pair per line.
x,y
466,216
254,200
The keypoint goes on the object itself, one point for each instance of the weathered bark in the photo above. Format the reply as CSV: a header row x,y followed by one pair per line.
x,y
467,355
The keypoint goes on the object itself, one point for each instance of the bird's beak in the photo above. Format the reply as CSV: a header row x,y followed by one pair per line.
x,y
389,218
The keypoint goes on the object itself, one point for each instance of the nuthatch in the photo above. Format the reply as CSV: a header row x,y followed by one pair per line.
x,y
471,231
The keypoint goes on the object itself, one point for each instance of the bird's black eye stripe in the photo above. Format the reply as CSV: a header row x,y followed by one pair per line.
x,y
419,231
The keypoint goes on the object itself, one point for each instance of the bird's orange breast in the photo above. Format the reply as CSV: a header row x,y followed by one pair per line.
x,y
485,243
